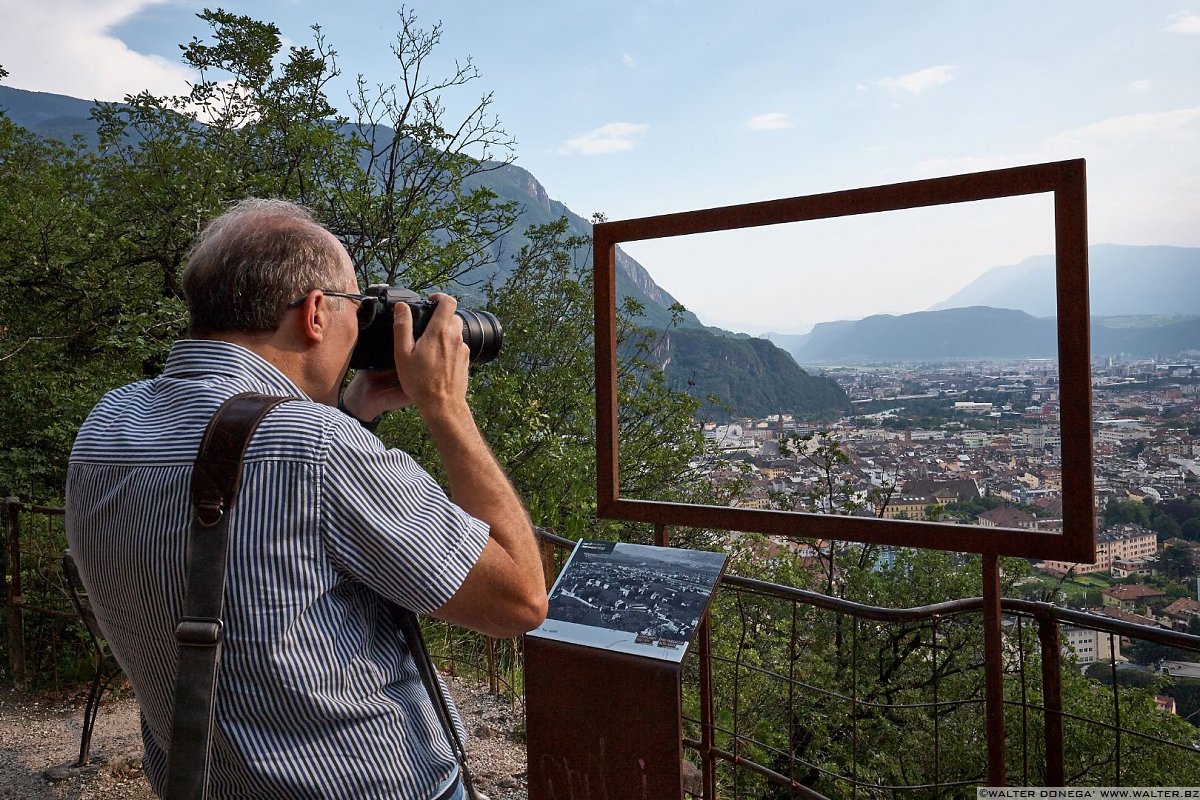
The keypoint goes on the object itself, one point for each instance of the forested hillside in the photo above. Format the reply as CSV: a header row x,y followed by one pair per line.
x,y
511,187
742,370
94,234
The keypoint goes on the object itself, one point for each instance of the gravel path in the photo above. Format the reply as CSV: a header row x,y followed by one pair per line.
x,y
39,733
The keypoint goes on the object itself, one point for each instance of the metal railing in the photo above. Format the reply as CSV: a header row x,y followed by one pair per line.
x,y
915,679
37,600
795,693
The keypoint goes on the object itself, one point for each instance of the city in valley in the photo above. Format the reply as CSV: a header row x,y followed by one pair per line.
x,y
980,444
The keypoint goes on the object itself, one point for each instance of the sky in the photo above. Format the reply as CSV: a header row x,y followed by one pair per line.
x,y
637,108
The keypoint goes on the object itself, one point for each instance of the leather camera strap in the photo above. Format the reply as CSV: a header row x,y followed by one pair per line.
x,y
216,478
411,627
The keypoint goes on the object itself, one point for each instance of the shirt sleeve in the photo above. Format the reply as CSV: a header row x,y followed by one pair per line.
x,y
391,526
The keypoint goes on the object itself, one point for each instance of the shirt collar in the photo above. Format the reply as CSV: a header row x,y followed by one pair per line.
x,y
209,357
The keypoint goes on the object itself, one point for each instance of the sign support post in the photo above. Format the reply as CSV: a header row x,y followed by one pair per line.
x,y
601,725
603,673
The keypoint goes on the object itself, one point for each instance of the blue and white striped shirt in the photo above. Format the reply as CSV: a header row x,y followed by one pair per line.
x,y
318,695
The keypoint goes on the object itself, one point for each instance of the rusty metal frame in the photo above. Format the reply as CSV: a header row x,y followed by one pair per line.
x,y
1065,179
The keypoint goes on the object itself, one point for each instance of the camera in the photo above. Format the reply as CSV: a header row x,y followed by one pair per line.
x,y
482,332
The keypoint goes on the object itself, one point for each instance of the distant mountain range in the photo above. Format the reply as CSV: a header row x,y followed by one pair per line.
x,y
1145,301
51,116
984,332
1126,280
693,350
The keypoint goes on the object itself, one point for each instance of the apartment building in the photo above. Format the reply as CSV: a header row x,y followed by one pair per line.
x,y
1123,543
1090,646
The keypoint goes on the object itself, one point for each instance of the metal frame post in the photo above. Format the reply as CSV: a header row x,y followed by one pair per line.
x,y
993,650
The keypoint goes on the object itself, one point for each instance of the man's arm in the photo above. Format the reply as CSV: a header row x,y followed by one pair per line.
x,y
505,592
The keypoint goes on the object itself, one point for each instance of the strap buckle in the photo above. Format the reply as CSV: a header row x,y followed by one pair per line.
x,y
209,514
199,631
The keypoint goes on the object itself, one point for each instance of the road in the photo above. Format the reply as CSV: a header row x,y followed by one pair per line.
x,y
1180,669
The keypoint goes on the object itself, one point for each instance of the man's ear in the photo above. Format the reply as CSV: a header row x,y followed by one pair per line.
x,y
313,316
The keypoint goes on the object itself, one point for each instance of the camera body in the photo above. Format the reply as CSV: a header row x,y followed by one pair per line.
x,y
482,332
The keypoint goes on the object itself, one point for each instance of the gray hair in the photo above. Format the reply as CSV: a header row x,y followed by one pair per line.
x,y
251,261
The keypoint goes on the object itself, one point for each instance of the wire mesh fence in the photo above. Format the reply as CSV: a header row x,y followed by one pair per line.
x,y
813,696
790,693
45,642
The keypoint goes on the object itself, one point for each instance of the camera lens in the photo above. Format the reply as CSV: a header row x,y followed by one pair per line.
x,y
482,334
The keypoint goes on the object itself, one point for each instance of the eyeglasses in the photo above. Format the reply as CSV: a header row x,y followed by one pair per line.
x,y
368,305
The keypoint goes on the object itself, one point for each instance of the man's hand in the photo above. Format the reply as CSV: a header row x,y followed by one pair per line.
x,y
434,367
372,392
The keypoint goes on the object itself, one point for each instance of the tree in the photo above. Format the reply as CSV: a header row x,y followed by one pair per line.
x,y
393,182
536,402
94,243
52,307
1164,525
1176,562
1121,512
426,217
1190,530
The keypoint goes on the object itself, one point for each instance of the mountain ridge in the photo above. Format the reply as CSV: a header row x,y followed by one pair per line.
x,y
64,118
1125,280
980,332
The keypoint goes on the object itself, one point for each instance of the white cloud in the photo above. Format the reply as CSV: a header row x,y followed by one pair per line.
x,y
773,121
1143,173
1131,127
1140,86
1185,22
65,46
628,60
921,80
614,137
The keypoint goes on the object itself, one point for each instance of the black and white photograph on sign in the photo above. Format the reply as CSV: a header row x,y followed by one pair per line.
x,y
631,598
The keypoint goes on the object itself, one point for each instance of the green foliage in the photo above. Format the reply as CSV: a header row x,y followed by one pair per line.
x,y
968,510
55,326
92,244
1136,678
1144,652
1186,693
838,490
1093,753
856,697
1176,563
536,402
1123,512
1179,517
759,377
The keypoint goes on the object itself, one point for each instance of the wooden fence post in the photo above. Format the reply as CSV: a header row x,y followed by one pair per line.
x,y
12,580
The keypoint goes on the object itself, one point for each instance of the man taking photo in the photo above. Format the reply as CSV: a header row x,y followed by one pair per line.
x,y
319,695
